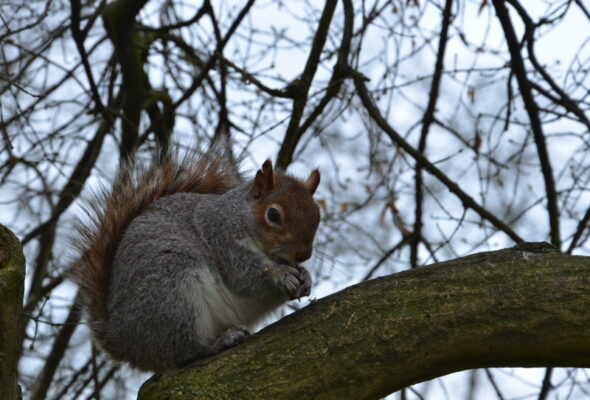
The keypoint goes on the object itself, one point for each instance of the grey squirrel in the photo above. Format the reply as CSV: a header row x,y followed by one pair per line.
x,y
181,258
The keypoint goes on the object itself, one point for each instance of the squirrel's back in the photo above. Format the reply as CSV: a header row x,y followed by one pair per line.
x,y
109,213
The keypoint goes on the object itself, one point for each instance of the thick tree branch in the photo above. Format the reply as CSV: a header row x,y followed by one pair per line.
x,y
12,276
525,306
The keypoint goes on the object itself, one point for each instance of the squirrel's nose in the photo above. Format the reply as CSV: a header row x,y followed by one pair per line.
x,y
302,253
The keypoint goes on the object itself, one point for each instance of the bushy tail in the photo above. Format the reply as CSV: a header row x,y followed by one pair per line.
x,y
110,212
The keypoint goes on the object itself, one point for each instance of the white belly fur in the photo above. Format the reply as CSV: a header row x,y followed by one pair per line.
x,y
216,308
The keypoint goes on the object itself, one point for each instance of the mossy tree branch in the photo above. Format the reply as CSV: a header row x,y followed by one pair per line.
x,y
12,275
526,306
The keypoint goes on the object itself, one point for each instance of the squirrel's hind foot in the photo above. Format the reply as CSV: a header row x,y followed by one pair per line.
x,y
232,337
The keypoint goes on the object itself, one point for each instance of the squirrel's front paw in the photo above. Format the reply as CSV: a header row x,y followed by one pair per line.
x,y
305,279
295,282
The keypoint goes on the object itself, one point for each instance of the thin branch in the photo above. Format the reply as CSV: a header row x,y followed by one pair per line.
x,y
398,140
206,7
41,293
10,32
302,84
494,384
73,379
248,77
579,230
518,67
94,373
79,40
43,381
76,182
223,124
583,8
118,18
340,72
546,385
385,256
564,100
39,98
207,66
67,195
427,120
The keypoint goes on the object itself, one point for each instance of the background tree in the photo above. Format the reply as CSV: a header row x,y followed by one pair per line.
x,y
442,128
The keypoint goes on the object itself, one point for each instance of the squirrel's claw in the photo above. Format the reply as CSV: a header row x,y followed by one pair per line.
x,y
304,288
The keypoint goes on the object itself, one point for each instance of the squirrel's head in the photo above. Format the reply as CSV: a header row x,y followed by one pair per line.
x,y
286,214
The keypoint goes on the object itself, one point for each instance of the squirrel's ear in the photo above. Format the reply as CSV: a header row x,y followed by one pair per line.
x,y
264,180
311,184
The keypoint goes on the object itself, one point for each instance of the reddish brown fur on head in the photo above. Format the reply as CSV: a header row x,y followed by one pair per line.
x,y
286,213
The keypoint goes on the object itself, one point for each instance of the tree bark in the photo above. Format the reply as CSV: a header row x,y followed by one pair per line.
x,y
528,306
12,275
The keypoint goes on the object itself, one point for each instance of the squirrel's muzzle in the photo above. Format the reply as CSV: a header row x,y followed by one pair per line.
x,y
302,253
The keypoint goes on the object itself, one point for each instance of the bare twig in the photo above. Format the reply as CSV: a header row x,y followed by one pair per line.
x,y
579,230
533,113
60,345
398,140
427,120
546,385
340,72
207,66
302,84
79,40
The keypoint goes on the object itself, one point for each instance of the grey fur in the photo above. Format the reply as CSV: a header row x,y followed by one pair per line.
x,y
188,279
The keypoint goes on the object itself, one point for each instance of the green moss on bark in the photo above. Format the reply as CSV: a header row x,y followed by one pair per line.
x,y
526,306
12,274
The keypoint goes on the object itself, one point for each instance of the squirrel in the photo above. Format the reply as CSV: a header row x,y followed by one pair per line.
x,y
182,257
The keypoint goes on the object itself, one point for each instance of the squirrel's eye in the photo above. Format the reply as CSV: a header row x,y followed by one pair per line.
x,y
273,215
